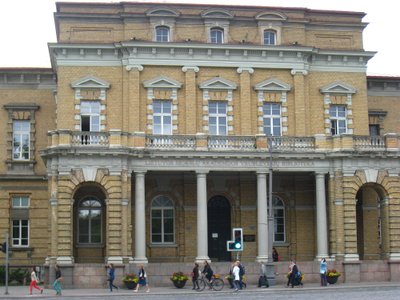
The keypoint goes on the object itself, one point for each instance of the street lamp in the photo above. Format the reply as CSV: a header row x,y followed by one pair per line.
x,y
270,208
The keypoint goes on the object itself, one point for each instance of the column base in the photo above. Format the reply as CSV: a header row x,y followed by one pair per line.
x,y
321,256
140,260
201,259
394,257
262,259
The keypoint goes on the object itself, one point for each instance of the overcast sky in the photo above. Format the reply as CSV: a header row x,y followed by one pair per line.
x,y
26,26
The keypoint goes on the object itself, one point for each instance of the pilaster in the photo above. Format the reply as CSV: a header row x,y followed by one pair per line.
x,y
133,105
299,102
188,111
244,107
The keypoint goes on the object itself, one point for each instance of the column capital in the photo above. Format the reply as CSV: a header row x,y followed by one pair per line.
x,y
131,67
245,69
299,72
202,172
140,172
190,68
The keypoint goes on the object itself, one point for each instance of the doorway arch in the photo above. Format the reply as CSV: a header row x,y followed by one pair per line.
x,y
219,228
371,222
89,219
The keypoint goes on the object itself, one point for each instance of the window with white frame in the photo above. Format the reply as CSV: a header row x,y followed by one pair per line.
x,y
20,202
90,219
279,219
338,117
269,37
21,139
217,118
90,116
162,220
272,121
20,233
162,117
162,34
217,35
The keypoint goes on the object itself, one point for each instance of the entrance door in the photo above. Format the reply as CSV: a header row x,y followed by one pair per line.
x,y
219,228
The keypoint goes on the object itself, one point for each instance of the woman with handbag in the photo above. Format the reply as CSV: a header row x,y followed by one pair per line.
x,y
57,282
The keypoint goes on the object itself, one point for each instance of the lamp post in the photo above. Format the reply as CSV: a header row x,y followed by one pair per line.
x,y
270,208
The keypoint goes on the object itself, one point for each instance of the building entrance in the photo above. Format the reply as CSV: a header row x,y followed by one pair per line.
x,y
219,228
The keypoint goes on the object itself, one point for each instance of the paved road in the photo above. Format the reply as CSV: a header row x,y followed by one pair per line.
x,y
373,291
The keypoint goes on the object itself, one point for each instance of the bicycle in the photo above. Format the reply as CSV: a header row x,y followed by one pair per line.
x,y
216,283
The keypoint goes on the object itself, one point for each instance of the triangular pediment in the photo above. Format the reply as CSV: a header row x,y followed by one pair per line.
x,y
338,88
272,85
90,82
217,14
162,82
162,12
271,16
218,83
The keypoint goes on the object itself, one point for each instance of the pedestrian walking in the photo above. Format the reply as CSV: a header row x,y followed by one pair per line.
x,y
58,280
142,279
111,277
323,269
34,282
242,283
236,276
275,255
195,276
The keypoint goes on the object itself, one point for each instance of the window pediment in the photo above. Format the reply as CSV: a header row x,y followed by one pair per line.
x,y
338,88
217,14
162,82
91,82
272,85
162,12
218,83
271,16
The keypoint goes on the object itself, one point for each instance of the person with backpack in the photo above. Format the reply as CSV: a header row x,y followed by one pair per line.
x,y
241,275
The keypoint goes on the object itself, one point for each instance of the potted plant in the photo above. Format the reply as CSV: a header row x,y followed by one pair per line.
x,y
179,279
332,276
130,281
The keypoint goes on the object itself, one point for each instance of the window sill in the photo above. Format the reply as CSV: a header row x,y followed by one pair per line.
x,y
20,166
163,245
20,248
280,244
89,245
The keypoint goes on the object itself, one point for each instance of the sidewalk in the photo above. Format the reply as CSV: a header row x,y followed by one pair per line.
x,y
18,292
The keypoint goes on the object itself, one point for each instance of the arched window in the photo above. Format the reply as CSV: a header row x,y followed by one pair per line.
x,y
269,37
279,219
162,220
217,35
162,34
90,221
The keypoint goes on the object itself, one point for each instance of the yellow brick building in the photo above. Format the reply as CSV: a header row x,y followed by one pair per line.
x,y
157,130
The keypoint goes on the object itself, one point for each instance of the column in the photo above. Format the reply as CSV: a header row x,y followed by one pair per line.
x,y
245,111
322,229
262,218
140,219
299,102
188,108
132,107
202,225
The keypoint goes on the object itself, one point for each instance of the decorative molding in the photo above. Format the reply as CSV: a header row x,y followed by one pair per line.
x,y
218,83
299,71
243,69
217,13
162,12
132,67
338,87
162,82
270,16
190,68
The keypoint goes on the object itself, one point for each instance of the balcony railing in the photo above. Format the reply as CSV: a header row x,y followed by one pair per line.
x,y
242,143
292,143
369,143
86,138
203,142
181,142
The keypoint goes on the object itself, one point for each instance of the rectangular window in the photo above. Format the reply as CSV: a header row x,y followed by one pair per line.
x,y
90,116
217,118
217,36
20,202
338,116
162,226
162,117
20,233
272,121
21,140
374,130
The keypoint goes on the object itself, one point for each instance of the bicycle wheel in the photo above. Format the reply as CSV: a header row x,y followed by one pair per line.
x,y
218,284
201,284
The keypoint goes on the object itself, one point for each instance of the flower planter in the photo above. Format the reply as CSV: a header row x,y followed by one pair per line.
x,y
130,285
179,283
332,279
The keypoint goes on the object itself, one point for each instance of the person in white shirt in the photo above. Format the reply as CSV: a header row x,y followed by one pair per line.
x,y
34,281
236,276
